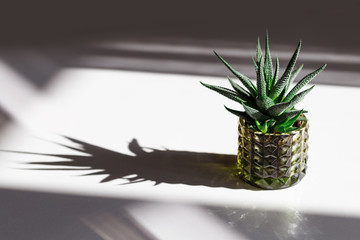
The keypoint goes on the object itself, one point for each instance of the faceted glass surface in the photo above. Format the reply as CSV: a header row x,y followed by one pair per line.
x,y
272,161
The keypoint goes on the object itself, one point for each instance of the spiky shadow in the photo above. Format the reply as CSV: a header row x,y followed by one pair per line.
x,y
158,166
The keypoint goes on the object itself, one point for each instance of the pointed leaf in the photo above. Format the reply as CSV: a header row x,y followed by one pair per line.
x,y
276,74
300,96
255,64
290,121
290,114
305,80
292,78
258,50
262,127
242,93
268,68
287,125
280,97
281,83
278,109
225,92
240,114
255,113
244,80
261,84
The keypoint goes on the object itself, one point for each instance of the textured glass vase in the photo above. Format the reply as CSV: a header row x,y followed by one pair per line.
x,y
272,161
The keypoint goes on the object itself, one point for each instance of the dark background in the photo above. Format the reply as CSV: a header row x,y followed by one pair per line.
x,y
332,24
39,38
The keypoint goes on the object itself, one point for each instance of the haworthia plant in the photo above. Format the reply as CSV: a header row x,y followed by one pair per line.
x,y
269,106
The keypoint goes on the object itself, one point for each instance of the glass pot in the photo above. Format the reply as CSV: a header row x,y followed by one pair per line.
x,y
272,160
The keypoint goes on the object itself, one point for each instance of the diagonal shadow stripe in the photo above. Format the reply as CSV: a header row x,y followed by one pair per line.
x,y
158,166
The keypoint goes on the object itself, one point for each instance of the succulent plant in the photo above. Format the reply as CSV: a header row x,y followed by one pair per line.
x,y
268,105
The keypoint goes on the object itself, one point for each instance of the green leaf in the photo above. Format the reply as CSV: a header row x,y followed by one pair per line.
x,y
225,92
280,97
264,104
261,84
240,114
300,96
244,80
290,114
293,75
305,80
258,51
287,125
278,109
286,130
280,129
281,83
268,68
276,74
242,93
292,78
290,129
255,64
265,126
290,121
262,127
255,113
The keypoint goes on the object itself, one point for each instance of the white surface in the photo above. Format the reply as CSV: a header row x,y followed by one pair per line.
x,y
180,223
110,108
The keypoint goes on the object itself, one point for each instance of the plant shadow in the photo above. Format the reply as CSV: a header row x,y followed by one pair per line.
x,y
158,166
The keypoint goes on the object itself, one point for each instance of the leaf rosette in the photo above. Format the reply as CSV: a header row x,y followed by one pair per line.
x,y
269,105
